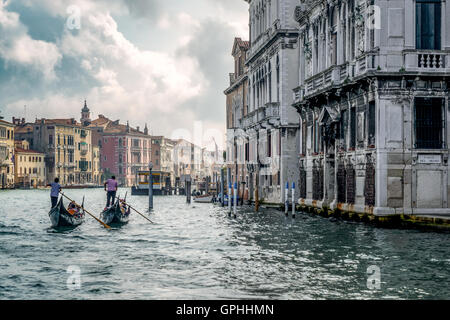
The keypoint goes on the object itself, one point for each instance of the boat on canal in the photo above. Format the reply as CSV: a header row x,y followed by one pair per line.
x,y
118,213
62,217
204,199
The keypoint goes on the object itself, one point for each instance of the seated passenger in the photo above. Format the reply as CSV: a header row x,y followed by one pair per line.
x,y
73,208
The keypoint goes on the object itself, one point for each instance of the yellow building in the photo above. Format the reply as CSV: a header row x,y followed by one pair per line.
x,y
29,166
67,147
6,154
97,172
83,155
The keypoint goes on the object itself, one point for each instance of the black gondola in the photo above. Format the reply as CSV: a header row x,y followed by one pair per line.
x,y
116,214
60,217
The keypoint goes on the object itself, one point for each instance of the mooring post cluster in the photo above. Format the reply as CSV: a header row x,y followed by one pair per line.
x,y
286,199
235,199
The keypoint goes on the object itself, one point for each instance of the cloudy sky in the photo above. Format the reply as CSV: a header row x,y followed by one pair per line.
x,y
161,62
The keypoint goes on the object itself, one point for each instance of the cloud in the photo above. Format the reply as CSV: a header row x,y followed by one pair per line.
x,y
149,9
171,82
18,48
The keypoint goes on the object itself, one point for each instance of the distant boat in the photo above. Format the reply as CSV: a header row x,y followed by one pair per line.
x,y
116,214
60,216
203,199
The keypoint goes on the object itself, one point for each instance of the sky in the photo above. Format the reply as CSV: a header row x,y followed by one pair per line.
x,y
160,62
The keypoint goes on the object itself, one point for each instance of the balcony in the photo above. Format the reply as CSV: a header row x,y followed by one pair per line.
x,y
84,148
427,60
268,111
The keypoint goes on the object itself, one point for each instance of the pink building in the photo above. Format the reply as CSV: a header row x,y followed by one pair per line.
x,y
123,150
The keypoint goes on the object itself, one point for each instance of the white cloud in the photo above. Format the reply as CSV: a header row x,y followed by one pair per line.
x,y
17,47
159,86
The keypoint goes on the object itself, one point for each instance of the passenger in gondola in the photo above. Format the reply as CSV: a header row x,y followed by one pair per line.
x,y
54,193
123,207
73,209
110,188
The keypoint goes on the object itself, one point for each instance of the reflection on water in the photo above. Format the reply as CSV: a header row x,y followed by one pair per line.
x,y
197,252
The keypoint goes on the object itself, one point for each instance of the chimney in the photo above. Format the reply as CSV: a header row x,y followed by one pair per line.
x,y
128,126
137,128
23,120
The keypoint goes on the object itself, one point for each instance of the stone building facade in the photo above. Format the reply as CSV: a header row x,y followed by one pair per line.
x,y
271,123
67,147
374,106
29,166
6,154
123,150
236,110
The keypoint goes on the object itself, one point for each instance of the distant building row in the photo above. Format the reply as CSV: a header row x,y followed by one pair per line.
x,y
90,151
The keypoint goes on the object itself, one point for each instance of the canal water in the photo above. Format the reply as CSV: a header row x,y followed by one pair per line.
x,y
197,252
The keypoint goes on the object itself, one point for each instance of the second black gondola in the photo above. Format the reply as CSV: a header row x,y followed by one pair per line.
x,y
116,214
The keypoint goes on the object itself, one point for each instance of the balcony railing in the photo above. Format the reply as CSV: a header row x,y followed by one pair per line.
x,y
427,60
334,75
269,110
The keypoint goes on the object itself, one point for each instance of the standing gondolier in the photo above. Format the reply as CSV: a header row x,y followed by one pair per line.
x,y
54,193
110,188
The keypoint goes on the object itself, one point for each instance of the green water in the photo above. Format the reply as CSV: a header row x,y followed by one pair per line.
x,y
197,252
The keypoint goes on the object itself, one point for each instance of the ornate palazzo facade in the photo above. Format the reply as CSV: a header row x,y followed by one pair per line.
x,y
373,99
268,131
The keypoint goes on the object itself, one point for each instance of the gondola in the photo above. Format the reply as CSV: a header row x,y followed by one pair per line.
x,y
60,217
116,214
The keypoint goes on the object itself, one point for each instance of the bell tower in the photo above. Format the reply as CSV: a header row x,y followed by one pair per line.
x,y
85,115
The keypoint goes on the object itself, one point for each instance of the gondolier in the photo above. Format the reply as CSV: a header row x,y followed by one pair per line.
x,y
54,193
110,188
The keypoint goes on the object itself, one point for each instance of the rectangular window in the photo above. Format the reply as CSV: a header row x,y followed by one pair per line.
x,y
352,137
316,136
269,144
429,123
247,152
428,24
371,123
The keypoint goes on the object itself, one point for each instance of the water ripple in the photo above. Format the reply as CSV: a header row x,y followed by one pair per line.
x,y
198,252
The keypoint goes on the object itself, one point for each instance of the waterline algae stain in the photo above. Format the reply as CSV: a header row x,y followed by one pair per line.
x,y
198,252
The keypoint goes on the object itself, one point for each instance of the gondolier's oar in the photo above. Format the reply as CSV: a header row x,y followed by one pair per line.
x,y
104,224
137,211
